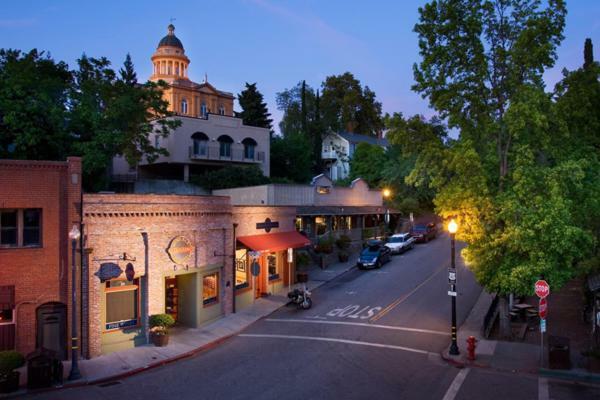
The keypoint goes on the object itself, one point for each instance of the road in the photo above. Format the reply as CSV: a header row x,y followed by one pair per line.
x,y
370,335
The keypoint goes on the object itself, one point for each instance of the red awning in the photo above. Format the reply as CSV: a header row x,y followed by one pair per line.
x,y
274,241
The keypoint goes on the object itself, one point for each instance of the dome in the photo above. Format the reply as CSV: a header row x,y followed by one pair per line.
x,y
170,39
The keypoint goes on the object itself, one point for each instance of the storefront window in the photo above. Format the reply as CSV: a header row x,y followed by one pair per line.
x,y
122,304
321,225
210,289
6,316
241,269
272,265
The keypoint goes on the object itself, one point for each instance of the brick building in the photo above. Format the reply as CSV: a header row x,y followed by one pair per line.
x,y
151,254
39,203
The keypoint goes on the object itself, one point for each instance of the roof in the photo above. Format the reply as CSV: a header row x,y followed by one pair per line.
x,y
357,138
274,241
343,210
170,39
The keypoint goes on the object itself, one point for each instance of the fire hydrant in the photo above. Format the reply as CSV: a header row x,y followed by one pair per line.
x,y
471,348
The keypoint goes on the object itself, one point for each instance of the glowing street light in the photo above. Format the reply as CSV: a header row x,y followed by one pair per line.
x,y
452,228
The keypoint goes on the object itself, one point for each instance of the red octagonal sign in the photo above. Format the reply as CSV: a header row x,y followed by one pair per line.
x,y
543,309
542,289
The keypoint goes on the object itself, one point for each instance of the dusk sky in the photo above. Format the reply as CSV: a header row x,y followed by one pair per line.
x,y
273,43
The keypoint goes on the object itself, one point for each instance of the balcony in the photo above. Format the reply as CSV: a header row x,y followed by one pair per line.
x,y
329,155
213,153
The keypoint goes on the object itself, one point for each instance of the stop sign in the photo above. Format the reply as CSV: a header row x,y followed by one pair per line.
x,y
543,309
542,289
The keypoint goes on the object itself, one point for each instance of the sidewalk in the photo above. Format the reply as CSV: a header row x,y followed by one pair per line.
x,y
515,357
185,342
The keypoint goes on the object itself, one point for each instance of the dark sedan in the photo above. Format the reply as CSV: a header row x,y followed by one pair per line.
x,y
374,256
424,233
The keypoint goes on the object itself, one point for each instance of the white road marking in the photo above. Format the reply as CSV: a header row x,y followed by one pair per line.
x,y
325,339
315,317
352,311
543,391
350,293
456,384
396,328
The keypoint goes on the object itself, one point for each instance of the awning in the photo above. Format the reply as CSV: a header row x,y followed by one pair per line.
x,y
274,241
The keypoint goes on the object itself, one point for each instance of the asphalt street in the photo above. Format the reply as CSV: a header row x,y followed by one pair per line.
x,y
373,334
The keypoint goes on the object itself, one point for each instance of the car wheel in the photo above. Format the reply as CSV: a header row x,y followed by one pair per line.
x,y
378,264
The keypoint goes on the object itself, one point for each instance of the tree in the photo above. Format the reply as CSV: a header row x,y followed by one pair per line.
x,y
127,73
254,109
588,53
368,162
33,106
481,68
347,106
291,158
231,176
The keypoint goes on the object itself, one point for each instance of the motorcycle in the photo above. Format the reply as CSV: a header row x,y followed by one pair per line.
x,y
300,297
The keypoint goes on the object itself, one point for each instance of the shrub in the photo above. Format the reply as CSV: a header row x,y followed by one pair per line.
x,y
302,259
325,245
343,242
10,360
160,323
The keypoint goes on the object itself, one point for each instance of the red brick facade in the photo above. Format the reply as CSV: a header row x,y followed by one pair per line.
x,y
40,274
115,226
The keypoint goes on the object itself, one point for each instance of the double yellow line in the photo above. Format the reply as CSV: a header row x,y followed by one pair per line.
x,y
390,307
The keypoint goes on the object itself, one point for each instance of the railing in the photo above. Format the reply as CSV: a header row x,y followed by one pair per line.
x,y
490,317
327,155
214,153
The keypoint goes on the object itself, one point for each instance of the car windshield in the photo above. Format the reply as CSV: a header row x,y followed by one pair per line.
x,y
370,251
420,228
397,240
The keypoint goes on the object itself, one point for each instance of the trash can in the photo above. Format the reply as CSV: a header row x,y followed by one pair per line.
x,y
39,369
559,352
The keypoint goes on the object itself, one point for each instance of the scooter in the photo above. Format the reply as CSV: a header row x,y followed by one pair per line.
x,y
301,297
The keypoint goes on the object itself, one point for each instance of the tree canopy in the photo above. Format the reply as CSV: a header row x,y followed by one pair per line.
x,y
254,109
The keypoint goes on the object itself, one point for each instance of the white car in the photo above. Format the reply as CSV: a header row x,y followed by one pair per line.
x,y
400,242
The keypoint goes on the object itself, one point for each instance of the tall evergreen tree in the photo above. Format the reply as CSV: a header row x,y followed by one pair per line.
x,y
317,137
254,109
303,108
588,53
127,72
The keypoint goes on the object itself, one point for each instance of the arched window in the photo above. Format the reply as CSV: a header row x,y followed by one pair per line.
x,y
221,110
184,106
203,110
249,147
200,144
225,145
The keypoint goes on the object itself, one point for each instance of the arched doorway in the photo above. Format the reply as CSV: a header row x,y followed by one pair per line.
x,y
52,328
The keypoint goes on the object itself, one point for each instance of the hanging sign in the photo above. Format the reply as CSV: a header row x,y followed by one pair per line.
x,y
267,225
108,271
180,250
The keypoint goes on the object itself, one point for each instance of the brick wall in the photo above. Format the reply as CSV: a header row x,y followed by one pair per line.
x,y
40,274
114,224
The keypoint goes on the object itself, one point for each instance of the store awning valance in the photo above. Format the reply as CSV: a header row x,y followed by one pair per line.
x,y
274,241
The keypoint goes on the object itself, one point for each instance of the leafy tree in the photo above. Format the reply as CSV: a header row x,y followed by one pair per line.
x,y
368,162
231,176
347,106
481,68
33,106
291,158
254,109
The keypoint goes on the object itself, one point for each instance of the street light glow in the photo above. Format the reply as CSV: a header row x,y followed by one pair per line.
x,y
452,226
74,234
386,192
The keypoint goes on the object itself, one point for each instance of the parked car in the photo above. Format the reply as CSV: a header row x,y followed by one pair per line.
x,y
400,242
374,255
423,233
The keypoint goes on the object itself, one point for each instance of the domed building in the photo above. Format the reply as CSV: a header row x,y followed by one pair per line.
x,y
209,137
185,97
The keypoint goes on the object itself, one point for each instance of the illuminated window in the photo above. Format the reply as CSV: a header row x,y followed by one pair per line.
x,y
241,269
272,266
122,304
210,289
323,189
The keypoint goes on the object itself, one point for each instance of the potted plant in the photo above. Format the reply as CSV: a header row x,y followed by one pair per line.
x,y
593,356
159,328
9,378
343,242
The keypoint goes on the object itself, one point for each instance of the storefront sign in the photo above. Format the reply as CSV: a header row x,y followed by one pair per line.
x,y
180,250
267,225
121,324
108,271
129,271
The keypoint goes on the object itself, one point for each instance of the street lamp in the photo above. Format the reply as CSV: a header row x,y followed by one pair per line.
x,y
74,374
452,228
386,194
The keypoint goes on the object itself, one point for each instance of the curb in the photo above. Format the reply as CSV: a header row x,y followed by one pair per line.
x,y
135,371
472,364
570,375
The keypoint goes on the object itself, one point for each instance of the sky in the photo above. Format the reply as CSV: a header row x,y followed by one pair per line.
x,y
273,43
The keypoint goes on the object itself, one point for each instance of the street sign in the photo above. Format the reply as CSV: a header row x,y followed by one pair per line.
x,y
451,293
255,269
543,308
452,276
542,325
542,289
290,255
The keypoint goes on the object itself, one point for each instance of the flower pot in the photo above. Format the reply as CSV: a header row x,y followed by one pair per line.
x,y
160,339
10,382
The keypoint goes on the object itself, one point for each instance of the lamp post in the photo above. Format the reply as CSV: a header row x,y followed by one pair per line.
x,y
452,228
386,194
74,374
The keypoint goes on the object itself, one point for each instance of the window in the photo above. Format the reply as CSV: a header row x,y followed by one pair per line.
x,y
272,266
221,110
122,304
184,106
20,228
210,289
157,141
225,145
200,144
7,304
249,148
241,269
323,189
203,110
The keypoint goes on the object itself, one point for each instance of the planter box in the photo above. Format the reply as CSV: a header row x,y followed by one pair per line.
x,y
160,340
